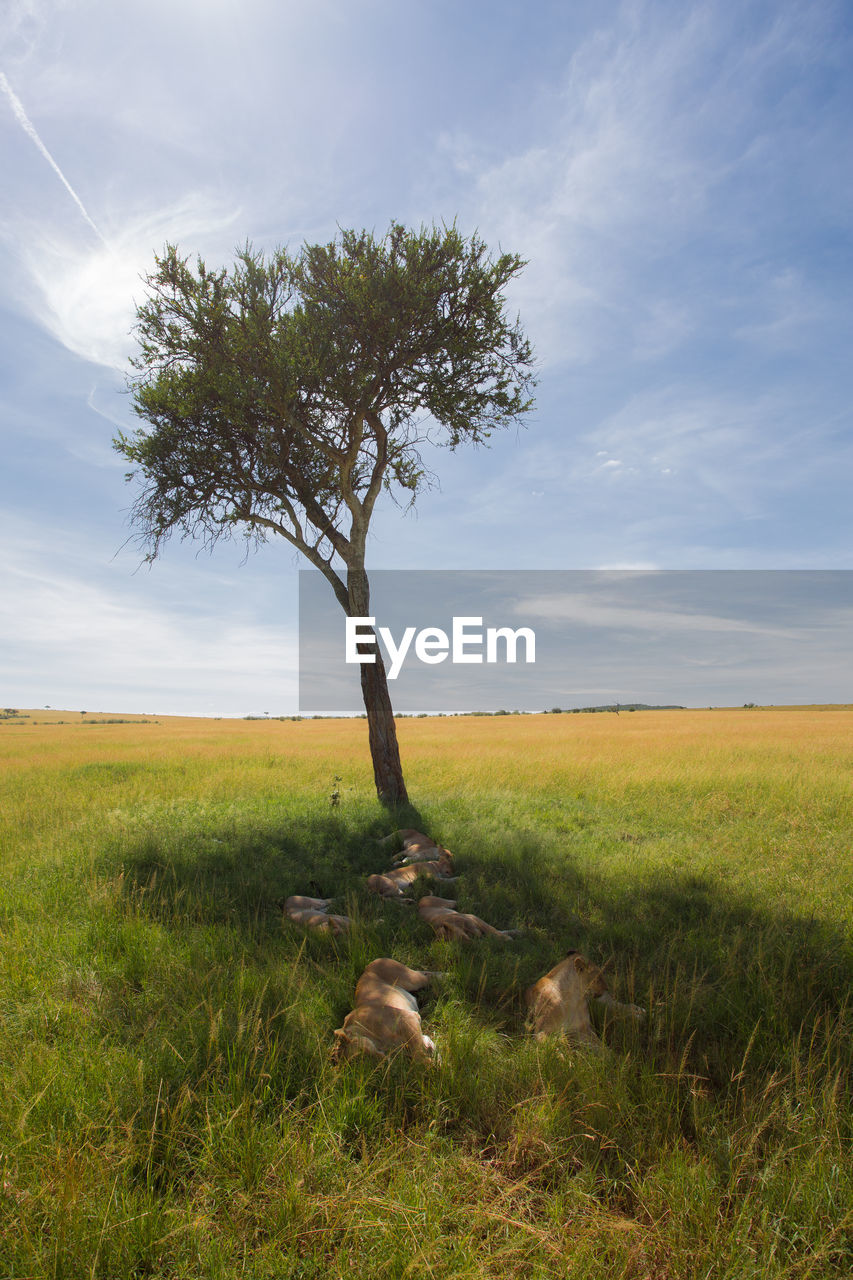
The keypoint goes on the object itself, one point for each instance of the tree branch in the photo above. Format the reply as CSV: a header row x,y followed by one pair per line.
x,y
310,552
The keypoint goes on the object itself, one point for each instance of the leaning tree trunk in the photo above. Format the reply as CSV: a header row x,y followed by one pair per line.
x,y
382,734
381,728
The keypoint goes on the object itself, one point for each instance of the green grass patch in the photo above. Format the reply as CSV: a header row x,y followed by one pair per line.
x,y
169,1107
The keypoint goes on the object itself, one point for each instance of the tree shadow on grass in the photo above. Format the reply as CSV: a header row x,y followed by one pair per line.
x,y
719,975
741,986
223,1014
214,895
241,878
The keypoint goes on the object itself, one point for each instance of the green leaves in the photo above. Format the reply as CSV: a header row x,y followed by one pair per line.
x,y
285,392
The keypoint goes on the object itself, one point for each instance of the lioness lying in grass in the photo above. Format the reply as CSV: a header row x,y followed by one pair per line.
x,y
405,836
557,1002
417,847
314,912
447,922
385,1018
392,884
423,853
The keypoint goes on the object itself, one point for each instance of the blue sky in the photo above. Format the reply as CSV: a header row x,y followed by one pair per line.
x,y
678,177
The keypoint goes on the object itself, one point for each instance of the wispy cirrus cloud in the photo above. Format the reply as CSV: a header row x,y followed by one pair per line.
x,y
736,448
84,295
79,276
592,611
643,204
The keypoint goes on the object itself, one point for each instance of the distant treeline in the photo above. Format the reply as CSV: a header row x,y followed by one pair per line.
x,y
558,711
285,717
549,711
615,706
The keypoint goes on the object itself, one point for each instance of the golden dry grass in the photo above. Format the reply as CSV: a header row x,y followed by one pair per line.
x,y
521,750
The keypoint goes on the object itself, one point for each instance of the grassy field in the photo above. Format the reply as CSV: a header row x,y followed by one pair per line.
x,y
168,1107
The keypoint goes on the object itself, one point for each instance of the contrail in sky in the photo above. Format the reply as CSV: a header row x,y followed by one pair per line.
x,y
29,129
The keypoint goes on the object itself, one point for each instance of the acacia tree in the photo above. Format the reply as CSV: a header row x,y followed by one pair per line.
x,y
282,396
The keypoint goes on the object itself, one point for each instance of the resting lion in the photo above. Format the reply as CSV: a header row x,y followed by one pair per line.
x,y
423,853
447,922
557,1002
416,847
392,884
385,1018
405,836
314,912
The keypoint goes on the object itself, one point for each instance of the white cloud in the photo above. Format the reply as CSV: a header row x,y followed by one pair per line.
x,y
84,295
664,140
24,24
619,174
593,611
72,633
733,449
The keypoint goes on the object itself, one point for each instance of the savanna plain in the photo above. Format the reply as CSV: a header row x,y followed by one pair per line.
x,y
168,1105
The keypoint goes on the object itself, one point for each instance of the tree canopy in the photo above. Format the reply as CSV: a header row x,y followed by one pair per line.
x,y
284,394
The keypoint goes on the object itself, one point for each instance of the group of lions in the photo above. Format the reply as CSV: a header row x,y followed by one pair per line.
x,y
386,1020
419,856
